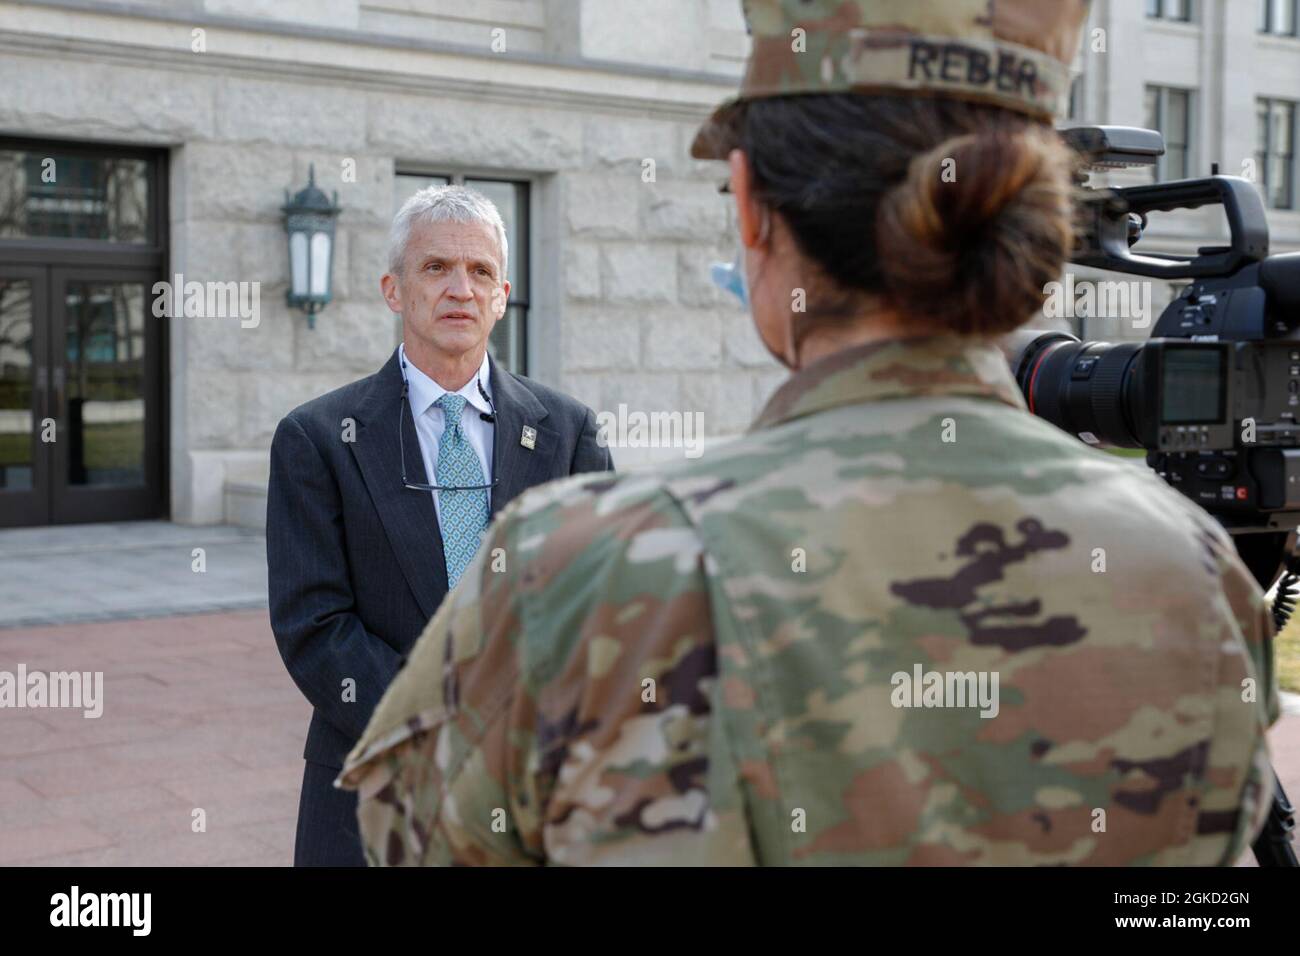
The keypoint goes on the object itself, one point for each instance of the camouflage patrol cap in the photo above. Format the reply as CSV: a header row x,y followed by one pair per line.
x,y
1012,53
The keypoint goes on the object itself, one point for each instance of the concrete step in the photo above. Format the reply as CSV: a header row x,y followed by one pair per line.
x,y
245,503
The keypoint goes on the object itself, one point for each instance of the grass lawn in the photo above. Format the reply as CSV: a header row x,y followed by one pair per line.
x,y
117,445
15,449
1286,651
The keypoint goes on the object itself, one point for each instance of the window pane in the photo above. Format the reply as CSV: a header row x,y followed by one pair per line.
x,y
506,341
1280,169
1176,122
16,435
1178,9
405,186
1153,8
1276,183
1281,138
1152,108
509,199
1176,168
105,356
49,195
1266,147
1283,16
1263,15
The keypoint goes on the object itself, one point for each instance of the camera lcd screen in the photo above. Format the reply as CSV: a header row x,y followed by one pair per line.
x,y
1194,386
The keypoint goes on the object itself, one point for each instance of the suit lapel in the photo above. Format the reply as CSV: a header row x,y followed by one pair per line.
x,y
408,517
516,466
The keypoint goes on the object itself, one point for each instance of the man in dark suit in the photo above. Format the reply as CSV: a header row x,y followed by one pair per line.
x,y
379,491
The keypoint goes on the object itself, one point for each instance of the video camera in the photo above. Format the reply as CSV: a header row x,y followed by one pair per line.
x,y
1214,395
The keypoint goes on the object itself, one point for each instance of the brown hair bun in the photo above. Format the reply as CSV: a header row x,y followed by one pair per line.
x,y
978,227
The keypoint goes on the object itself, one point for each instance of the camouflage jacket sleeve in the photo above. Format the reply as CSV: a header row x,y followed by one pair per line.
x,y
556,709
1248,692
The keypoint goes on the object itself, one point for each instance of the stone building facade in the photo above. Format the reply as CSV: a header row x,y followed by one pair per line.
x,y
579,112
577,101
1201,71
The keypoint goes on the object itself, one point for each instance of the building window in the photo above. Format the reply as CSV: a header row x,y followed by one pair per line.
x,y
1076,99
1277,16
1275,160
69,193
509,339
1170,10
1170,111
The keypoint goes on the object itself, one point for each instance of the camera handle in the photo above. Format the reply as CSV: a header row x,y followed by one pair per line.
x,y
1107,232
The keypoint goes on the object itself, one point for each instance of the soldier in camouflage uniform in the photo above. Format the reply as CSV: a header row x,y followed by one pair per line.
x,y
750,658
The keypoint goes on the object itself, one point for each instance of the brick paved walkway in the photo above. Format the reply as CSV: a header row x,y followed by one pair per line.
x,y
198,713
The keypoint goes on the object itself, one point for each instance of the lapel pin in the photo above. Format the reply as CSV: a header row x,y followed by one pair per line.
x,y
529,438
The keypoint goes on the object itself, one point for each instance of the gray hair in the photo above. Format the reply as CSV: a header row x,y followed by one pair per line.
x,y
444,204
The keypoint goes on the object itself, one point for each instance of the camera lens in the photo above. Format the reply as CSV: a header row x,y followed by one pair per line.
x,y
1085,388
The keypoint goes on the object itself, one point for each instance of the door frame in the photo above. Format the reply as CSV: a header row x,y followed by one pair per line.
x,y
87,258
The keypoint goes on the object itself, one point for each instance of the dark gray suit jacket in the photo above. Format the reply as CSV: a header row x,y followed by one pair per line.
x,y
355,560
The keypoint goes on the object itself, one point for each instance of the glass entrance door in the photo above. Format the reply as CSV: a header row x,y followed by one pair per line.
x,y
83,239
106,388
80,391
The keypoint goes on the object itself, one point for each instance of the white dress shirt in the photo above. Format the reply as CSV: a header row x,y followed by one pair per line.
x,y
430,420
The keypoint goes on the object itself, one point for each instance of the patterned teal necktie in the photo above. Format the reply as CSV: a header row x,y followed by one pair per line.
x,y
464,514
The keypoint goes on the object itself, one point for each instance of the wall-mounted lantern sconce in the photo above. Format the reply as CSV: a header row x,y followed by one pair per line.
x,y
309,220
